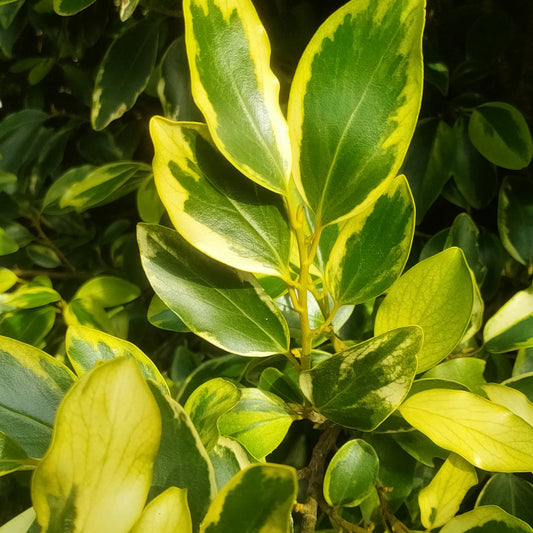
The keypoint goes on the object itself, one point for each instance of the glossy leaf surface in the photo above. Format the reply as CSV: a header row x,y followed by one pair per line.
x,y
182,460
511,326
224,306
259,498
351,132
12,456
207,404
232,84
436,291
105,441
70,7
467,371
489,519
160,316
85,346
510,398
351,474
372,247
124,72
259,421
216,208
440,500
360,387
486,434
500,132
28,418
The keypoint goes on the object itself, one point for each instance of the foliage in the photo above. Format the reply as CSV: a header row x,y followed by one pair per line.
x,y
321,322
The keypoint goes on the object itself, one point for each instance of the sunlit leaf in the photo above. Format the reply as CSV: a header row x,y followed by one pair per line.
x,y
486,434
488,519
106,437
351,133
229,58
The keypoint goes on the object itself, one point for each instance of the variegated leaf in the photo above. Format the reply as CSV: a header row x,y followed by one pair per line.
x,y
353,107
216,208
360,387
372,247
232,84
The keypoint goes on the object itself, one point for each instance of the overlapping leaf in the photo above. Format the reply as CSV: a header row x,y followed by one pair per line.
x,y
360,387
372,247
353,108
486,518
216,208
222,305
229,58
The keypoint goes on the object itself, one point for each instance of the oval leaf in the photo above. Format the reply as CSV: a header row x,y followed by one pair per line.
x,y
216,208
436,291
85,346
351,474
12,456
259,498
440,500
489,519
500,133
124,72
360,387
108,291
486,434
222,305
231,80
511,327
259,421
105,441
28,417
515,218
372,247
70,7
353,109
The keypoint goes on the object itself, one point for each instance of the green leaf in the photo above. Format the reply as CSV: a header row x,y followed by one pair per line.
x,y
7,279
7,244
474,176
222,305
436,291
182,460
509,492
162,317
259,498
106,437
232,84
29,325
215,208
108,291
511,326
228,457
259,421
440,500
515,218
52,198
500,133
372,247
360,387
280,384
467,371
486,434
86,346
12,456
166,513
420,447
486,519
70,7
28,418
174,87
124,72
352,108
351,474
104,184
428,163
30,296
207,403
43,256
127,7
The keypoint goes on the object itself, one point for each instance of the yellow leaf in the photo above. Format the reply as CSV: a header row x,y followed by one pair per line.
x,y
97,472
